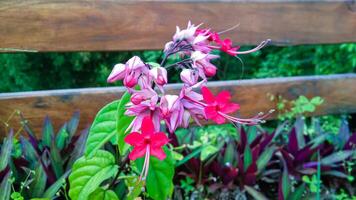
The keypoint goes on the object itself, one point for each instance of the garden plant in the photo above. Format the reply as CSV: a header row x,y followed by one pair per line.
x,y
151,144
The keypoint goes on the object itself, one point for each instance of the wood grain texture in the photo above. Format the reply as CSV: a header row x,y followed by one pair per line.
x,y
337,90
75,25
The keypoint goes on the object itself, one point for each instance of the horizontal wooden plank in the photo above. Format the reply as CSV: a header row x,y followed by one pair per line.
x,y
337,90
62,25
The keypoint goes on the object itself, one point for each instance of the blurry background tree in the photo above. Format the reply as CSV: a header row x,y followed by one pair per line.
x,y
40,71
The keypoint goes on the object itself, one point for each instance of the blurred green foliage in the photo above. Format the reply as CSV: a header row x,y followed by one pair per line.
x,y
38,71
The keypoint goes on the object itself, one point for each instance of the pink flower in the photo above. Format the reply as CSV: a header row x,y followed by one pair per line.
x,y
226,46
189,77
172,111
201,62
118,73
148,141
185,34
159,75
219,105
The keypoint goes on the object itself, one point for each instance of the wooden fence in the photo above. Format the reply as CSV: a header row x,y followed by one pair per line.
x,y
108,25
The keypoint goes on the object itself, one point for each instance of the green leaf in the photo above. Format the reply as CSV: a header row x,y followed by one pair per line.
x,y
254,193
53,189
336,157
262,161
6,150
154,64
56,160
135,188
285,182
159,180
47,132
189,156
177,156
62,137
123,122
207,151
38,184
317,101
298,193
103,128
247,157
102,194
230,154
5,187
89,173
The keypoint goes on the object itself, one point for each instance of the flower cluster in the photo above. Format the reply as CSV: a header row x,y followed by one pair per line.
x,y
195,101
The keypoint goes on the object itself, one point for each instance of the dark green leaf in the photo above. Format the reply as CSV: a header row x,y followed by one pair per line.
x,y
6,150
5,187
103,128
62,137
123,122
254,193
102,194
298,193
247,157
336,157
47,132
88,173
159,181
38,184
190,156
264,158
53,189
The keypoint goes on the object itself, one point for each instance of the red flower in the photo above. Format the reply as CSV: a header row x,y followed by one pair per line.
x,y
148,142
218,106
226,46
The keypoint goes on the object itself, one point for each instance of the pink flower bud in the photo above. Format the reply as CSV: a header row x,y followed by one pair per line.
x,y
131,79
117,73
135,63
189,77
137,98
209,70
159,75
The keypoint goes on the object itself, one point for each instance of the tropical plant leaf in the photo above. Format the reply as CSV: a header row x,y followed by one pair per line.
x,y
159,182
53,189
102,194
135,188
62,137
73,124
5,187
38,185
79,148
264,158
89,172
189,156
103,128
123,122
298,193
6,150
247,157
254,193
336,157
47,132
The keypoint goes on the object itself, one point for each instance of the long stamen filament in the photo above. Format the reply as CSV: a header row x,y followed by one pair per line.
x,y
260,46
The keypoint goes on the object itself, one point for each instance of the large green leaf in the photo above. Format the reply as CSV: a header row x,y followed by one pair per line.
x,y
102,194
88,173
103,128
254,193
159,182
123,123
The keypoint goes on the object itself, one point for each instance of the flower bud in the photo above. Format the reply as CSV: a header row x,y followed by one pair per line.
x,y
159,75
209,70
131,79
117,73
137,98
189,77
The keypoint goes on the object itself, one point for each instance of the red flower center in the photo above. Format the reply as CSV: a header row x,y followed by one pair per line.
x,y
147,140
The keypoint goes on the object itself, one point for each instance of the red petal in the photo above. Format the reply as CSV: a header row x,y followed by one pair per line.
x,y
137,152
159,139
223,97
219,119
158,152
230,108
210,112
134,139
147,127
207,95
